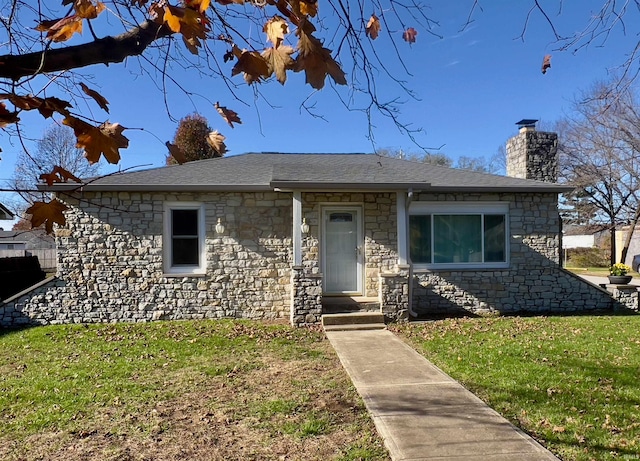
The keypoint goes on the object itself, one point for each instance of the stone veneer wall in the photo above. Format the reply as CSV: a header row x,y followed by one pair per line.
x,y
534,281
306,297
532,155
394,294
110,262
380,231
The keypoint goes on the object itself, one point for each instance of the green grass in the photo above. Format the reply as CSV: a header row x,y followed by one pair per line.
x,y
244,390
571,382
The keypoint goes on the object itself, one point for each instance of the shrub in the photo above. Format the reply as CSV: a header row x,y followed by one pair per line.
x,y
588,257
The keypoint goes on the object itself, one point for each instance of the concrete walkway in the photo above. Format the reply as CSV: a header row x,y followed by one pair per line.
x,y
420,412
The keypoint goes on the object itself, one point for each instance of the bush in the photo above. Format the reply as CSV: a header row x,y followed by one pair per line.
x,y
588,257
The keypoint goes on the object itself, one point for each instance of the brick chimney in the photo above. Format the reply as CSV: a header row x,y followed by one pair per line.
x,y
532,154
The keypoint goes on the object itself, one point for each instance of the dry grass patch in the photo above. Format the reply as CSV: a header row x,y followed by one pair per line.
x,y
178,390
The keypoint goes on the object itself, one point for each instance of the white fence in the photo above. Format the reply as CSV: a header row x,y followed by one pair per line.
x,y
47,258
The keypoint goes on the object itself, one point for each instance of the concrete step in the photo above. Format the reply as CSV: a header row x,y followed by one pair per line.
x,y
353,321
344,304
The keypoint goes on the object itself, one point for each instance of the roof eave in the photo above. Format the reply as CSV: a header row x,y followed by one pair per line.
x,y
551,188
156,188
326,185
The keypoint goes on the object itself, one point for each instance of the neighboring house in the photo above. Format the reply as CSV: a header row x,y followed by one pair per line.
x,y
34,242
34,239
273,235
5,213
633,254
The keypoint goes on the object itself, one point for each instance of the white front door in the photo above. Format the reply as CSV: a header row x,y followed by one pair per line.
x,y
343,250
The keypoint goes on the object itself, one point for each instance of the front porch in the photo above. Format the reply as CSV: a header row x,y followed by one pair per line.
x,y
309,305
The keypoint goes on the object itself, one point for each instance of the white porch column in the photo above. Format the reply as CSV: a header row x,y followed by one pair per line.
x,y
401,213
297,233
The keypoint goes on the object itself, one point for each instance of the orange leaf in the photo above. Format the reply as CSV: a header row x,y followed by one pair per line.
x,y
47,214
102,102
87,10
199,5
172,17
192,24
58,174
252,64
7,117
216,141
105,139
546,63
228,115
373,27
61,30
309,7
409,35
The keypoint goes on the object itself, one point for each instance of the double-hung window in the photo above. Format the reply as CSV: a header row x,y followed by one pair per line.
x,y
459,235
184,238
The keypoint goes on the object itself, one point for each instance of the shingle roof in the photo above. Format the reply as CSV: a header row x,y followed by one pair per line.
x,y
5,213
268,171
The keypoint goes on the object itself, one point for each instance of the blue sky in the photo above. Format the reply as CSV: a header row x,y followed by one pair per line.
x,y
472,86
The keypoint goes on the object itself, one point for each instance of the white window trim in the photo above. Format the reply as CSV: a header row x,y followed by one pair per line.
x,y
176,271
462,208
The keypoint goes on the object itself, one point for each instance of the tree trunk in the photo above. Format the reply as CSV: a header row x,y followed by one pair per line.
x,y
612,236
627,240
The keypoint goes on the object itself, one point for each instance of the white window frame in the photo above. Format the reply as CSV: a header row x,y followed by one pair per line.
x,y
462,208
167,241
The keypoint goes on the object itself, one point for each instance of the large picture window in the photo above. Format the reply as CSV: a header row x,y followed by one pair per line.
x,y
458,235
184,238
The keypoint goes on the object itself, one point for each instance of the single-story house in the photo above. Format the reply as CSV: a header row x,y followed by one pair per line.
x,y
271,235
5,213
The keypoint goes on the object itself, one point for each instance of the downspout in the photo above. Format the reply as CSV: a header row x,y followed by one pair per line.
x,y
407,203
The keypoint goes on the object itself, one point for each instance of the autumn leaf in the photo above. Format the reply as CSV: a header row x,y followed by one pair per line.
x,y
252,64
53,104
199,5
309,8
316,61
216,141
276,28
47,214
60,30
409,35
192,24
279,61
175,152
546,63
7,117
23,102
228,115
102,102
103,140
87,10
373,27
58,174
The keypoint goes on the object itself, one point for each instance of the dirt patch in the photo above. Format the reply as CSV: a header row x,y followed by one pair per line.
x,y
282,410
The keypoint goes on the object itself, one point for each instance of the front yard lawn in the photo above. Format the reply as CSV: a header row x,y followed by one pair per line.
x,y
205,390
571,382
